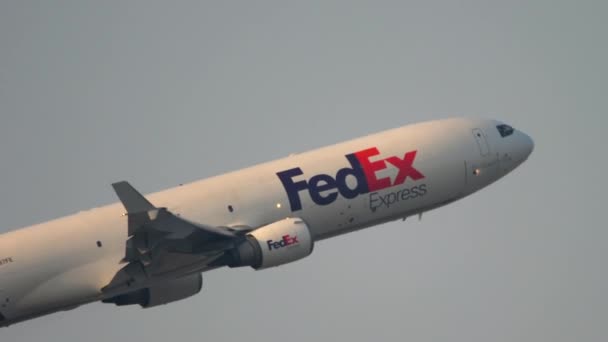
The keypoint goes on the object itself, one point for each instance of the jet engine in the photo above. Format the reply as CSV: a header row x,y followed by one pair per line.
x,y
272,245
161,293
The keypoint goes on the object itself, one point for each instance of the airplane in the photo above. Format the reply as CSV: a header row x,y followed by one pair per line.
x,y
152,250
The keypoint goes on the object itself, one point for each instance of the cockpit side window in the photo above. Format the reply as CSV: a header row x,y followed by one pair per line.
x,y
505,130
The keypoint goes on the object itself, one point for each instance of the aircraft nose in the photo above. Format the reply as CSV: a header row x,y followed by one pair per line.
x,y
514,148
524,146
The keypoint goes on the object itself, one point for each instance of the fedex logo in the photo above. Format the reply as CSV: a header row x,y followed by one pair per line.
x,y
324,189
287,240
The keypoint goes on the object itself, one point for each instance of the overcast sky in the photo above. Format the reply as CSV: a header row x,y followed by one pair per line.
x,y
165,93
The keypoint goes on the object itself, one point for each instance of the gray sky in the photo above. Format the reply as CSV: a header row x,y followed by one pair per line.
x,y
92,93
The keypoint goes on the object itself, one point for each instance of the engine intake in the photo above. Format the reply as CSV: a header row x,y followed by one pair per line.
x,y
275,244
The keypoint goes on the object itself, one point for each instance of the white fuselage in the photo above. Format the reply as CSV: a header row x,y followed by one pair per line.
x,y
59,265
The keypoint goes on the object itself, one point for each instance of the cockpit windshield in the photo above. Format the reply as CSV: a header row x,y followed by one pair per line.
x,y
505,130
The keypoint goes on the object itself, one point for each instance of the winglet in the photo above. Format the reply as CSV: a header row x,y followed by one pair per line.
x,y
131,199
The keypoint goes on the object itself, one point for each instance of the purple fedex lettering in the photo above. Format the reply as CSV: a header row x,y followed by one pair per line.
x,y
287,240
324,189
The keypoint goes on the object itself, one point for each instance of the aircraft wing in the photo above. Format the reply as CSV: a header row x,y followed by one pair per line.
x,y
162,243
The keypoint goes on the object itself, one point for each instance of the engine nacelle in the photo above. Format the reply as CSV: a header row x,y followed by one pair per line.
x,y
276,244
162,293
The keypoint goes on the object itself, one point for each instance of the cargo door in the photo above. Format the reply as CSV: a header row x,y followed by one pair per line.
x,y
481,169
